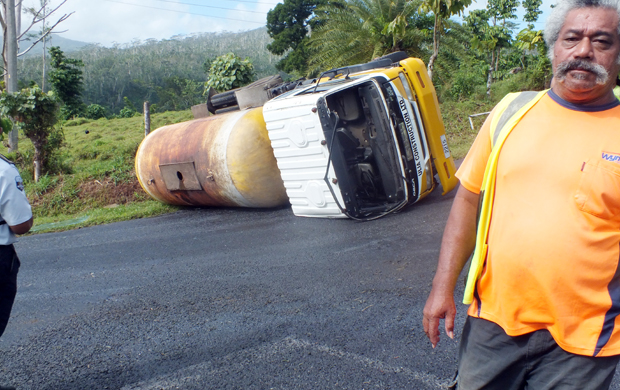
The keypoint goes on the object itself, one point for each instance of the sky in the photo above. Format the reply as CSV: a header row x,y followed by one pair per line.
x,y
109,22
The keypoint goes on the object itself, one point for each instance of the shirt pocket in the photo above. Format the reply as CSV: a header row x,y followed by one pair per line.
x,y
599,189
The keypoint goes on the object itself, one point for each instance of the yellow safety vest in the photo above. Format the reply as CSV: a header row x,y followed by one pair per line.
x,y
508,113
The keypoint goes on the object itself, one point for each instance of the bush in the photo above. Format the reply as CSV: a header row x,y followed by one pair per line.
x,y
127,112
465,85
228,72
76,122
95,111
71,112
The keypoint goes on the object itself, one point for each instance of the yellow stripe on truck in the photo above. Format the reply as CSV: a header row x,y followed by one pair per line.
x,y
433,123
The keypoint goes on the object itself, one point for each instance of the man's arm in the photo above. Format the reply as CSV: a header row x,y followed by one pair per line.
x,y
459,240
22,228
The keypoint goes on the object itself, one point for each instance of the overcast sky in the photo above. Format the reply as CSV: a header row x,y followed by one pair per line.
x,y
123,21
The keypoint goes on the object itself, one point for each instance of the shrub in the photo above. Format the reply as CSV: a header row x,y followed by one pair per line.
x,y
95,111
127,112
229,71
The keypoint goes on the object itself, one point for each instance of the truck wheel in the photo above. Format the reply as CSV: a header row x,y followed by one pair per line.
x,y
224,99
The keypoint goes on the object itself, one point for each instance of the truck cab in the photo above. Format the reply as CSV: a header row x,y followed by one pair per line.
x,y
360,141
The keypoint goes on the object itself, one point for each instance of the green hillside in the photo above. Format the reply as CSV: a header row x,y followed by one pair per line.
x,y
154,70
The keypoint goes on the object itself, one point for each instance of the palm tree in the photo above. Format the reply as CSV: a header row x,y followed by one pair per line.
x,y
356,31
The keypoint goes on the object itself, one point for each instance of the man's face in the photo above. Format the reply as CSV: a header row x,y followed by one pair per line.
x,y
585,55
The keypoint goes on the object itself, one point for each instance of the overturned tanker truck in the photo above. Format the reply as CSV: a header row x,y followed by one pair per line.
x,y
360,141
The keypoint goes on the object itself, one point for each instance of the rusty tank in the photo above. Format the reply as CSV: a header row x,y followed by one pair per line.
x,y
221,160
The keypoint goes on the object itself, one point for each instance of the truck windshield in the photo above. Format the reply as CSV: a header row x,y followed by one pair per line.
x,y
363,148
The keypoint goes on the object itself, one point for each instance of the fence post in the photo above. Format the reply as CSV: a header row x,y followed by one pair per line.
x,y
147,118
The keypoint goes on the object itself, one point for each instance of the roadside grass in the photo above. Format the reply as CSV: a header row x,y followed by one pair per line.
x,y
96,183
459,133
96,177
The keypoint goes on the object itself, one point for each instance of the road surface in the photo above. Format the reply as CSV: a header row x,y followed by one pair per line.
x,y
230,299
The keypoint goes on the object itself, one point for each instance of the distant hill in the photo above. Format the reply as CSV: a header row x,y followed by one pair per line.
x,y
66,45
157,71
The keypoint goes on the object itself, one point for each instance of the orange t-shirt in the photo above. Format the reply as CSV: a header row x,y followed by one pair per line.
x,y
554,238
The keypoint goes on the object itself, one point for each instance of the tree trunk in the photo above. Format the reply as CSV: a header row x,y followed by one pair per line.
x,y
44,66
490,75
37,162
499,52
431,61
10,79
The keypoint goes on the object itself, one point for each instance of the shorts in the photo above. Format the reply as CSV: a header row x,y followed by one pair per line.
x,y
490,359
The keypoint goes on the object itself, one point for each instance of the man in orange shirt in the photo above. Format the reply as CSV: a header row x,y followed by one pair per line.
x,y
546,304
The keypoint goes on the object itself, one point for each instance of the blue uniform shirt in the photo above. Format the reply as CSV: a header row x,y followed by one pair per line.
x,y
14,206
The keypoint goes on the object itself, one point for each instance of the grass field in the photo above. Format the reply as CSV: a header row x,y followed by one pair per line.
x,y
97,183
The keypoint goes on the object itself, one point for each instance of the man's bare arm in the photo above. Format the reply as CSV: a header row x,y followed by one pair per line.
x,y
459,240
22,228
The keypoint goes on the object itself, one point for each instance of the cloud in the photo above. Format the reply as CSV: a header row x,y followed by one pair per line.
x,y
122,21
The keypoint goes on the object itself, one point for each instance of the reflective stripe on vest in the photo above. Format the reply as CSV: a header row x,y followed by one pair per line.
x,y
508,113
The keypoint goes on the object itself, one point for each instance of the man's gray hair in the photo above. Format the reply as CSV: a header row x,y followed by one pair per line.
x,y
555,21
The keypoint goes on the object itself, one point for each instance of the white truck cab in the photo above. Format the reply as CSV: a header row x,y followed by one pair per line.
x,y
355,144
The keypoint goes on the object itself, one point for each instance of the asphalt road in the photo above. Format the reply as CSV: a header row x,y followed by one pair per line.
x,y
230,299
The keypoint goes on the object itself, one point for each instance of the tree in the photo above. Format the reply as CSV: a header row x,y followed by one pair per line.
x,y
66,81
289,24
441,9
532,11
529,40
10,20
228,72
357,31
488,38
43,32
36,113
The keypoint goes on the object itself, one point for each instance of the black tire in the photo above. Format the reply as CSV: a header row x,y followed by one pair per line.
x,y
210,95
394,57
224,99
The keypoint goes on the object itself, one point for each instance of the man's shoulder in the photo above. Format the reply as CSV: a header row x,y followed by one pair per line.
x,y
515,100
8,171
5,159
6,164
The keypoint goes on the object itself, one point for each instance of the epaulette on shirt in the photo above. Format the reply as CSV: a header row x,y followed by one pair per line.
x,y
2,157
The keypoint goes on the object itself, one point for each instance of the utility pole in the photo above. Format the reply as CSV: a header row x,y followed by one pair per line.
x,y
44,4
11,61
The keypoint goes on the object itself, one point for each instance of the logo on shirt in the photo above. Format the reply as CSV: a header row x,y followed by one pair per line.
x,y
19,183
611,157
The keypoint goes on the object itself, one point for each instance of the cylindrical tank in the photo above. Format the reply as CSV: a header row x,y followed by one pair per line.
x,y
222,160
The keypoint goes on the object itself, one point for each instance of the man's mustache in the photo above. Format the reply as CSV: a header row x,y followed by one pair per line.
x,y
565,66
